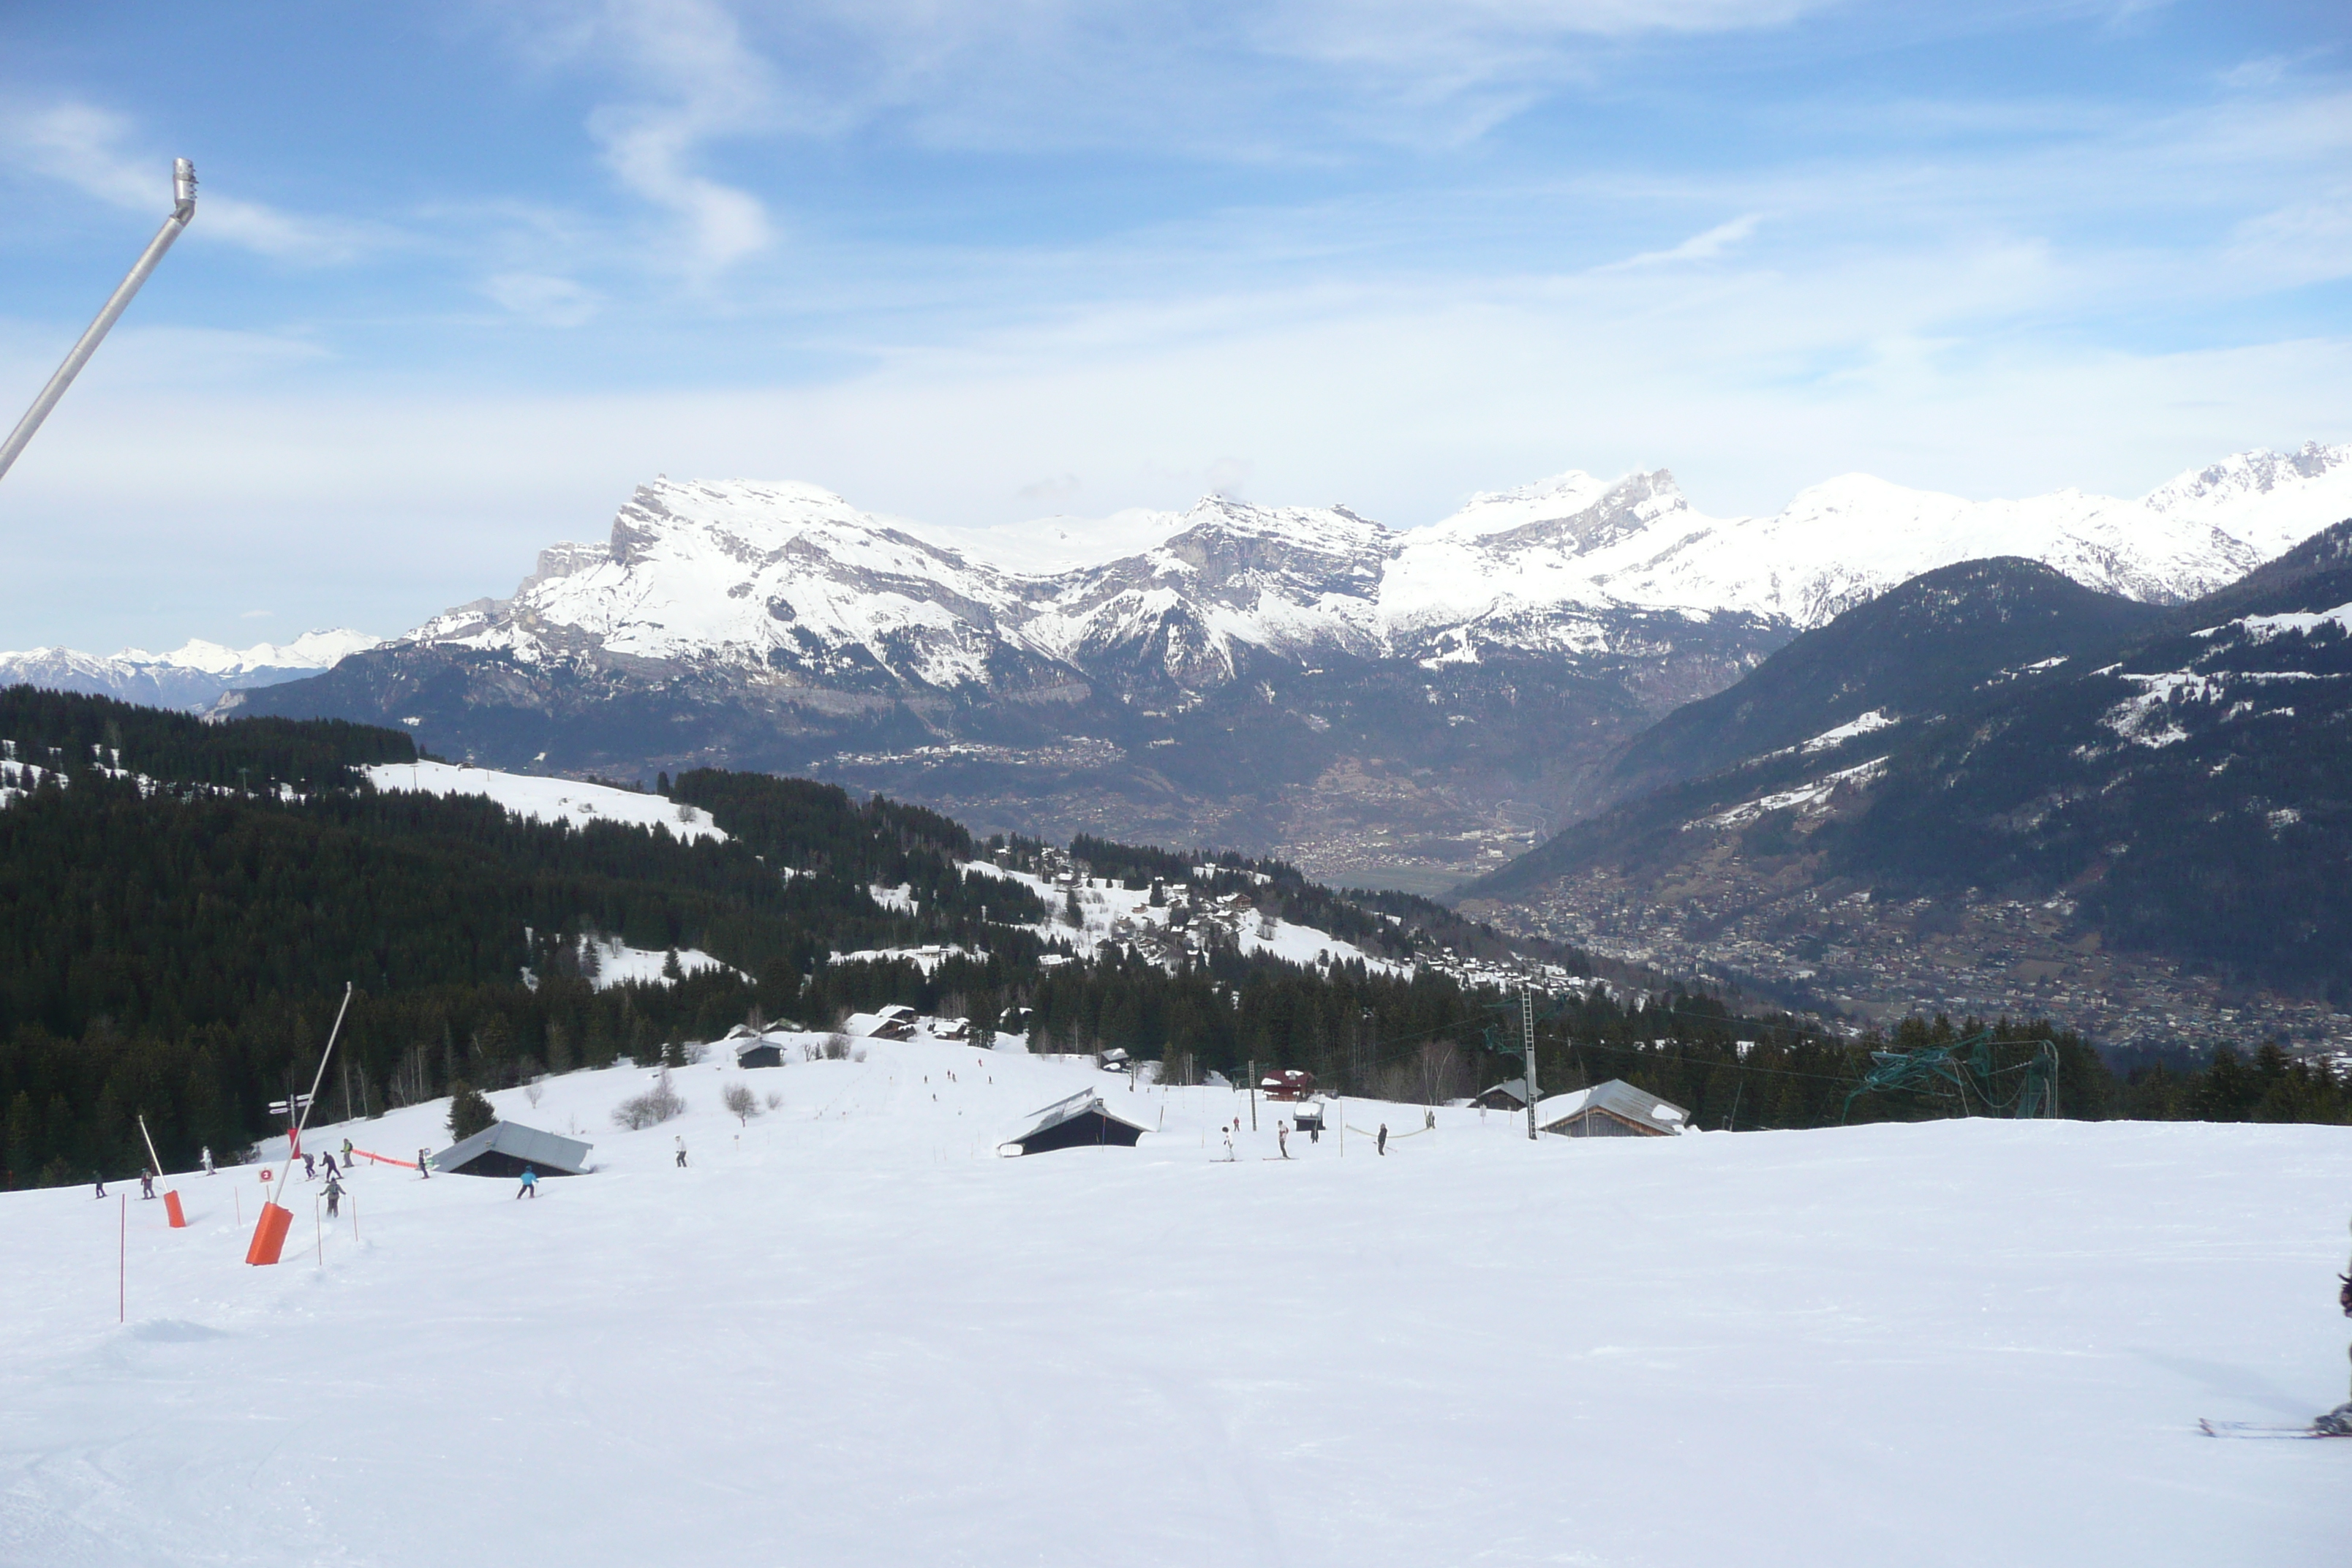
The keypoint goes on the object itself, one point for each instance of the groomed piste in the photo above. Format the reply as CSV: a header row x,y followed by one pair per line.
x,y
846,1332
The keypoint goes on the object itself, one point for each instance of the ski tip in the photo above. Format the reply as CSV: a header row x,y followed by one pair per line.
x,y
2212,1428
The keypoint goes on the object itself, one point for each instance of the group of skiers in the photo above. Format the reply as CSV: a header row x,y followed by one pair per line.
x,y
147,1175
312,1164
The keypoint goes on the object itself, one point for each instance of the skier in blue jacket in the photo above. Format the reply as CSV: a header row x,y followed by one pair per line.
x,y
529,1188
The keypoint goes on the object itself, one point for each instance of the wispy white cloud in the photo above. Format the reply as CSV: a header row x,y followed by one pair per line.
x,y
548,300
1706,247
97,151
687,79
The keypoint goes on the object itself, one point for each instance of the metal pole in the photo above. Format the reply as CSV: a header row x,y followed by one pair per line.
x,y
310,1099
1528,1042
153,1163
1253,1096
184,207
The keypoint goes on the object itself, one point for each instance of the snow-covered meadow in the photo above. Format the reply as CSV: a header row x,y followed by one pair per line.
x,y
549,799
847,1333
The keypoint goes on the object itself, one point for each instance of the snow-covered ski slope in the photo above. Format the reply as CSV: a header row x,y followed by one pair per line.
x,y
846,1334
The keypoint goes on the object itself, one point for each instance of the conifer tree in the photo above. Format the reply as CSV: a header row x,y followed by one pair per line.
x,y
470,1111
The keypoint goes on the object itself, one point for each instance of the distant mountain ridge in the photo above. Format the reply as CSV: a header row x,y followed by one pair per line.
x,y
193,675
1541,566
1295,679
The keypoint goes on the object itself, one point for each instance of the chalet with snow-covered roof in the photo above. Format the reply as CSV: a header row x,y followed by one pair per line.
x,y
1081,1122
759,1052
888,1023
508,1149
1612,1110
1508,1095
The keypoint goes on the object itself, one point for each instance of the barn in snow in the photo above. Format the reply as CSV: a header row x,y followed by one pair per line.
x,y
1508,1095
505,1149
1612,1110
1083,1120
756,1052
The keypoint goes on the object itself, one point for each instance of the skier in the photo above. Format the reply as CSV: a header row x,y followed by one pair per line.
x,y
1380,1144
330,1157
1229,1148
424,1171
334,1195
681,1151
100,1178
310,1167
347,1153
1429,1121
529,1188
2338,1423
207,1158
1282,1137
146,1183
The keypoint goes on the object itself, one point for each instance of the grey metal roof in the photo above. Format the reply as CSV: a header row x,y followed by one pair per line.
x,y
1617,1096
1063,1111
522,1142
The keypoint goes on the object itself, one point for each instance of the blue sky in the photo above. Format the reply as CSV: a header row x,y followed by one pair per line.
x,y
463,273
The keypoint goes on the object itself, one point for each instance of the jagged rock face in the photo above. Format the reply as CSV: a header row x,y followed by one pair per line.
x,y
1241,653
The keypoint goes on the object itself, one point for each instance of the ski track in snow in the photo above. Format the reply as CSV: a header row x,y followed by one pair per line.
x,y
847,1334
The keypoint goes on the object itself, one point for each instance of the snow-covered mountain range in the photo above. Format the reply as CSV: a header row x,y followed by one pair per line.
x,y
1297,678
796,582
194,675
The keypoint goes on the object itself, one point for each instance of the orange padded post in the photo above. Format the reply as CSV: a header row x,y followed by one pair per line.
x,y
269,1234
172,1208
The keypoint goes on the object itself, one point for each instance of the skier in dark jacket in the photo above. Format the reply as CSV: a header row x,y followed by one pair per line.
x,y
1380,1144
146,1183
2338,1423
310,1167
100,1178
330,1157
424,1166
334,1196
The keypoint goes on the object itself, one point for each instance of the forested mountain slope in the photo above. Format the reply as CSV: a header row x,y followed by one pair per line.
x,y
1931,643
2176,786
182,903
181,906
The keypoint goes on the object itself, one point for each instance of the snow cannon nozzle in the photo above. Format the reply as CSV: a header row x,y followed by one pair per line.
x,y
184,189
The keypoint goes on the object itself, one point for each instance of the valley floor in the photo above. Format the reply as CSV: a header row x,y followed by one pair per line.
x,y
1881,960
847,1333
